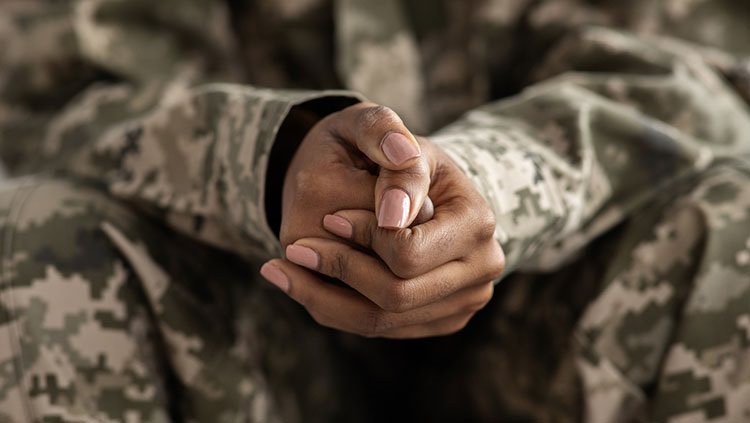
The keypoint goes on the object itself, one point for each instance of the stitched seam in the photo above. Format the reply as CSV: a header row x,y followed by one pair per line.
x,y
22,194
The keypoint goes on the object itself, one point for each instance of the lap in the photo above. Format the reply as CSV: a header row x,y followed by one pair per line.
x,y
102,322
650,323
105,316
666,337
72,326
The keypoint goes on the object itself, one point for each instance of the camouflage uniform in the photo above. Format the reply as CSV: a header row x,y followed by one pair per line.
x,y
610,138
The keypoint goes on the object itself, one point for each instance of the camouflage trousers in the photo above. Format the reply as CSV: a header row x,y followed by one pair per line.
x,y
106,315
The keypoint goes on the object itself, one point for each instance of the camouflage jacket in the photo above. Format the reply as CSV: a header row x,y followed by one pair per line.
x,y
125,92
566,114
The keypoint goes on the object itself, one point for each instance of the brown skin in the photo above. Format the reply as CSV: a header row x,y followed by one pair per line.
x,y
424,280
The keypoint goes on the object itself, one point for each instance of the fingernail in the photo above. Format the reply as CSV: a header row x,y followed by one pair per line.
x,y
303,256
275,276
398,148
394,209
338,226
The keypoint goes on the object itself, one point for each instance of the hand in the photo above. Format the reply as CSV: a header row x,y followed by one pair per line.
x,y
430,279
329,173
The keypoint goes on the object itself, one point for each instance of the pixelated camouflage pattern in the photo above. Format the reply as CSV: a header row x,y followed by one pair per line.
x,y
102,324
610,139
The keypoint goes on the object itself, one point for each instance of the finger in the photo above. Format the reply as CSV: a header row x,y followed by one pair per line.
x,y
379,133
325,186
462,221
330,305
425,213
399,196
380,323
346,310
404,178
417,250
443,327
449,325
370,277
316,192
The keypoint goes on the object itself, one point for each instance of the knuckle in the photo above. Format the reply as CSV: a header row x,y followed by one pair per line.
x,y
406,255
412,245
488,292
485,224
404,266
377,115
483,298
420,169
338,266
445,239
496,262
444,287
397,298
309,302
368,232
320,319
474,307
374,324
457,326
461,325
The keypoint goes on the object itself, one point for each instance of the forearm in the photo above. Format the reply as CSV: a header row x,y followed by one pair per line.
x,y
204,161
126,106
570,157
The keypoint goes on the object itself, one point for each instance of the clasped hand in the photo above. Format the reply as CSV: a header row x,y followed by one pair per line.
x,y
392,217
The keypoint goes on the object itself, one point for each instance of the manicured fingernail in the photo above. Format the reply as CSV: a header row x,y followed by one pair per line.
x,y
338,226
394,209
275,276
303,256
398,148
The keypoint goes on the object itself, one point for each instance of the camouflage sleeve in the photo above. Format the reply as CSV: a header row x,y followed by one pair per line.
x,y
614,119
71,69
203,161
121,92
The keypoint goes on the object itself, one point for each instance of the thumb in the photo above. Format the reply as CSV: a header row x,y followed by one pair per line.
x,y
404,178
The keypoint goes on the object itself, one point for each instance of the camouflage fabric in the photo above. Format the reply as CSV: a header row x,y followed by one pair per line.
x,y
101,324
610,139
